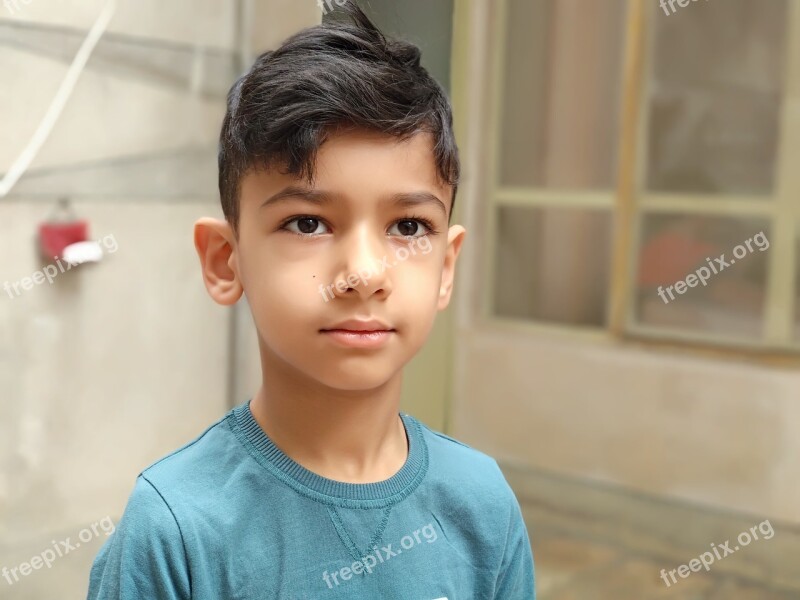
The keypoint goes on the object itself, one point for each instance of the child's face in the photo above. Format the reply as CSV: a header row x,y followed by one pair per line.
x,y
355,262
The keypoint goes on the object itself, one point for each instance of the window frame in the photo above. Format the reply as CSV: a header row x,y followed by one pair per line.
x,y
629,203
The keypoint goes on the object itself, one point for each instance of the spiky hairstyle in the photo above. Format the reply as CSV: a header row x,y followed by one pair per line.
x,y
338,75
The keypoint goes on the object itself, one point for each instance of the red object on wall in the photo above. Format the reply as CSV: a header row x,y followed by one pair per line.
x,y
55,236
61,229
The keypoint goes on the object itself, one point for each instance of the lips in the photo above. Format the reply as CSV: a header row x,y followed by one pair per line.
x,y
360,326
371,334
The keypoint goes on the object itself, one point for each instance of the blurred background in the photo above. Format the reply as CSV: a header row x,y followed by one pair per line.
x,y
610,149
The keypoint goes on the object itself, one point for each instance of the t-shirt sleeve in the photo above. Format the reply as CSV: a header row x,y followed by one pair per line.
x,y
145,556
515,580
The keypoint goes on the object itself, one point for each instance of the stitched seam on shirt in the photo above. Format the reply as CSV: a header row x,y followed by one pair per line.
x,y
348,541
185,446
342,532
448,438
501,573
180,531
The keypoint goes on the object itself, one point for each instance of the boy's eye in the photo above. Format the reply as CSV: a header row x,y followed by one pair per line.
x,y
309,226
410,228
304,226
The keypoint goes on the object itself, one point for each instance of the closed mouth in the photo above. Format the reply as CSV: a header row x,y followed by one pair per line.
x,y
358,331
363,326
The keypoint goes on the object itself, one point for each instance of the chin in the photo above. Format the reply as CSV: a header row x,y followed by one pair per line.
x,y
355,377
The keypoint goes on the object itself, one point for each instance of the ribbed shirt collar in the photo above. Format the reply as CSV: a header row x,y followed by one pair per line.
x,y
329,491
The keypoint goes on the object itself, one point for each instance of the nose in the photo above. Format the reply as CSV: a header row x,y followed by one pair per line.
x,y
364,264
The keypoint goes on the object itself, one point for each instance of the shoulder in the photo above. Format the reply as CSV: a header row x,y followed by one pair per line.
x,y
197,461
197,478
198,486
473,499
446,448
459,464
148,513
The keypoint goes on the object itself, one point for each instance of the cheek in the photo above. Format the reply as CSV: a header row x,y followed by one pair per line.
x,y
417,283
281,296
290,296
416,293
270,271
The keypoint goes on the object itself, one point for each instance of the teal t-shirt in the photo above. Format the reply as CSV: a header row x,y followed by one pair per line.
x,y
229,516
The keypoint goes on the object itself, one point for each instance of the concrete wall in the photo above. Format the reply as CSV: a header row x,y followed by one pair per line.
x,y
719,433
117,363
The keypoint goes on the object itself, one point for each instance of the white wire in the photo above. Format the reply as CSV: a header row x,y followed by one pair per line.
x,y
24,160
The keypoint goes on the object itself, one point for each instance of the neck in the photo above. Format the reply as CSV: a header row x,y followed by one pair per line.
x,y
352,436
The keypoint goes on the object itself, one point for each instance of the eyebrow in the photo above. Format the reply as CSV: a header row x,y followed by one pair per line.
x,y
408,199
293,191
404,199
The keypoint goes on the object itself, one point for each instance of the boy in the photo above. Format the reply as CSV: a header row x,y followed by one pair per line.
x,y
338,172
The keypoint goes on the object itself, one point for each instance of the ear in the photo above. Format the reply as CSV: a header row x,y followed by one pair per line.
x,y
216,243
455,238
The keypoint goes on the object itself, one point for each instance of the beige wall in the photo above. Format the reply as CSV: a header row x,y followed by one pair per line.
x,y
118,363
708,431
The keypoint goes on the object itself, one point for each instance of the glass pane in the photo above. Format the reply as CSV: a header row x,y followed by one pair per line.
x,y
553,264
703,274
560,100
716,90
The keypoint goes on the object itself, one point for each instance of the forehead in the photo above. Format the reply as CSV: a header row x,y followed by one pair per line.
x,y
362,164
415,152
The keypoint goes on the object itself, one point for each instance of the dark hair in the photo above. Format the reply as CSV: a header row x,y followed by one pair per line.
x,y
330,76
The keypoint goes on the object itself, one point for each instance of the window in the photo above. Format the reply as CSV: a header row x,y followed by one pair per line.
x,y
553,197
713,185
